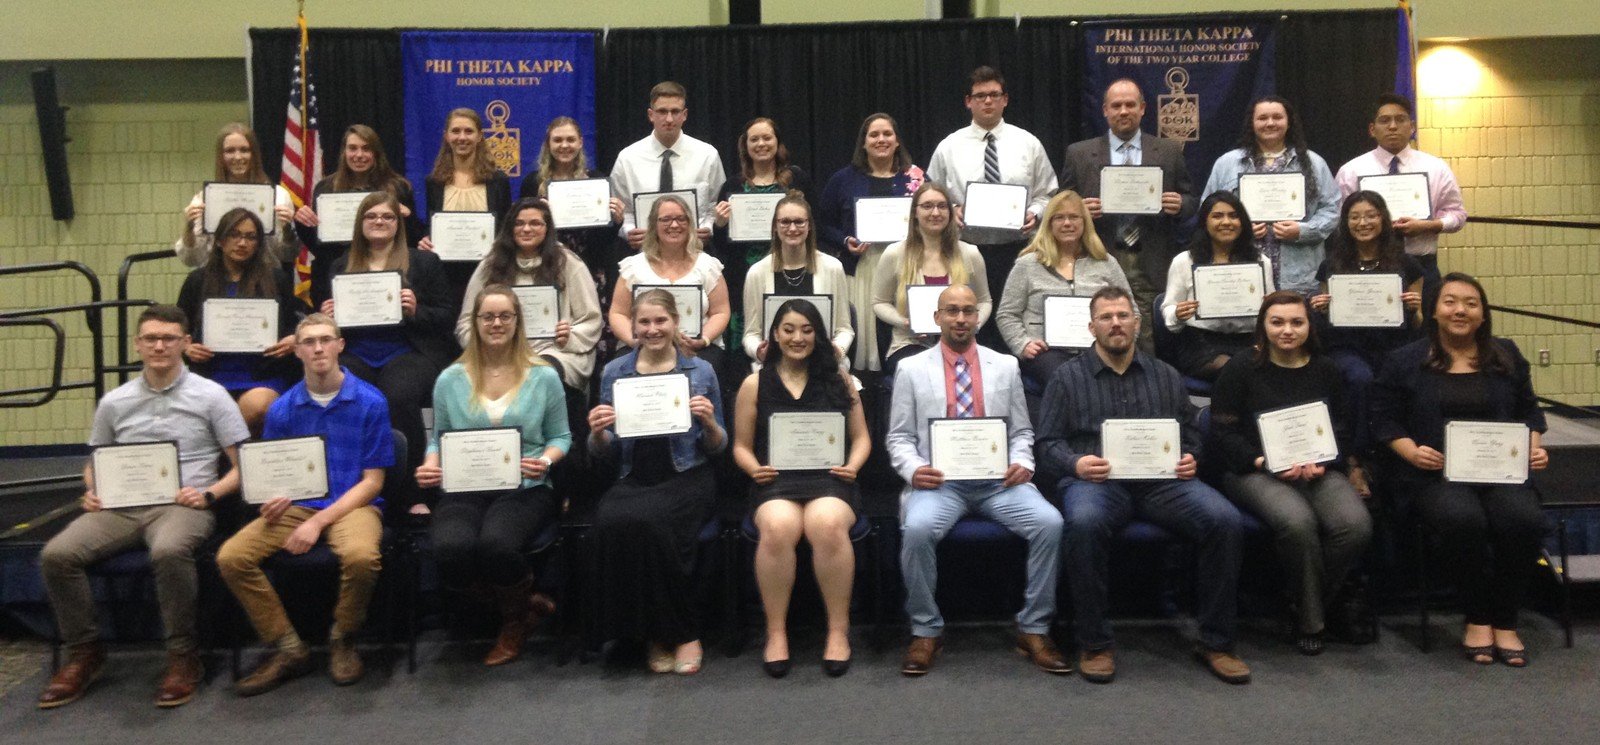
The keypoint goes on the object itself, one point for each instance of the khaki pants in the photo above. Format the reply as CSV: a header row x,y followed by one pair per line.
x,y
171,532
354,539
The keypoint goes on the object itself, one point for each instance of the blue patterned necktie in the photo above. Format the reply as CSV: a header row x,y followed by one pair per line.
x,y
963,389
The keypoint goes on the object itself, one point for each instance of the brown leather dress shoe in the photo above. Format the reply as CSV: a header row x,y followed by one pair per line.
x,y
1042,652
919,656
276,670
69,683
344,662
1099,666
1225,665
181,679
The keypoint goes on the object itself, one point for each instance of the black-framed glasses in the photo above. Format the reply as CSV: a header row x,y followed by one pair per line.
x,y
159,339
794,222
235,235
489,318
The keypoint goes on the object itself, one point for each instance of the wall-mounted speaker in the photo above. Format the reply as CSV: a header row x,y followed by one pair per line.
x,y
744,12
53,141
956,9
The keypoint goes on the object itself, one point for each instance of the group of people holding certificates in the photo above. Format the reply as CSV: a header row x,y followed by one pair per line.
x,y
1340,361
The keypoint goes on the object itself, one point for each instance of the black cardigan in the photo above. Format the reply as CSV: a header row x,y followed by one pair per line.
x,y
431,330
1244,390
1405,401
323,253
497,192
192,300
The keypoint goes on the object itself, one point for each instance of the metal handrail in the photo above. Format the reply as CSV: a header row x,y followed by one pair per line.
x,y
1535,222
92,316
47,393
125,364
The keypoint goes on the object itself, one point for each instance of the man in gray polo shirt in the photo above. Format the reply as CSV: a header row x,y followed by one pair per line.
x,y
166,402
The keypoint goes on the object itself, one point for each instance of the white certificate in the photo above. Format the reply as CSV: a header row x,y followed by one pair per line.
x,y
461,236
805,441
541,310
1066,322
1486,452
643,201
1130,190
293,467
488,459
995,205
1296,434
1142,449
367,299
1229,290
336,216
239,324
970,449
651,405
579,203
219,197
921,303
772,301
136,475
882,219
1405,194
691,306
752,216
1273,197
1366,300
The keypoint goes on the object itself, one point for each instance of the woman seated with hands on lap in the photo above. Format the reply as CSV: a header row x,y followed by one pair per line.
x,y
647,523
931,254
794,266
479,536
801,373
673,255
240,269
1206,344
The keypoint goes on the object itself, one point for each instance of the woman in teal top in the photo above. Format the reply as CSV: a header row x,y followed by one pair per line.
x,y
478,536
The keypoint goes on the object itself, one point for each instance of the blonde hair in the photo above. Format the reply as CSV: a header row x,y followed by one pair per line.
x,y
547,162
1044,246
949,250
361,249
474,358
652,245
257,175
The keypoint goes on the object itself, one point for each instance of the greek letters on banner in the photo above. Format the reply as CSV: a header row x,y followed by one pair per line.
x,y
516,81
1198,75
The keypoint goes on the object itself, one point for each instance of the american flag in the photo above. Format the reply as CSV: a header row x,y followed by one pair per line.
x,y
302,151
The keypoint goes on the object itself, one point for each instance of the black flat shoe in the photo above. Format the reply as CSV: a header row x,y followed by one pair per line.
x,y
776,668
1309,645
837,668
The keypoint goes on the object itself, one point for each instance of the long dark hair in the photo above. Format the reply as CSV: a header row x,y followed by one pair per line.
x,y
1263,353
823,364
444,164
780,156
380,176
502,259
1491,357
858,158
256,278
1294,139
1244,247
1343,255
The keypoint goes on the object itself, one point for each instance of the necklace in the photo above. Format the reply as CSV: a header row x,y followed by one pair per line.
x,y
1367,265
793,280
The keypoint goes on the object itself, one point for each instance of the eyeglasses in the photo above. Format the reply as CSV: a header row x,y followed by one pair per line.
x,y
235,235
670,113
794,222
312,342
156,340
986,96
492,318
528,224
934,206
380,218
952,310
673,220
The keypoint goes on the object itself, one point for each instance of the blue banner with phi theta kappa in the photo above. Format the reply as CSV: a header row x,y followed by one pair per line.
x,y
516,81
1199,75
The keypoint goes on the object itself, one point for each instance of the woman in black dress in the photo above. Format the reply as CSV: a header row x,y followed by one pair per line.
x,y
647,523
464,179
763,169
1488,535
800,375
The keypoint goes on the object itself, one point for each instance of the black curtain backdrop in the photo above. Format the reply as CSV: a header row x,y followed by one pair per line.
x,y
819,81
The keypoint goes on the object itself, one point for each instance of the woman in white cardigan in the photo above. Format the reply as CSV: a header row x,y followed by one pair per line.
x,y
795,267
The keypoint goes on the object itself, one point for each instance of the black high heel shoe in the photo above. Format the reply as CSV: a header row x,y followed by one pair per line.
x,y
776,668
836,668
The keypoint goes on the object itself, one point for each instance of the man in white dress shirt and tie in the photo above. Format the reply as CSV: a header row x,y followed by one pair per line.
x,y
667,160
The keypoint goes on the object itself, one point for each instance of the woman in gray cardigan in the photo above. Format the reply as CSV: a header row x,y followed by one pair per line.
x,y
1067,258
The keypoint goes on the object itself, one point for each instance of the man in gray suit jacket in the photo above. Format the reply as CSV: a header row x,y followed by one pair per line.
x,y
1143,244
959,379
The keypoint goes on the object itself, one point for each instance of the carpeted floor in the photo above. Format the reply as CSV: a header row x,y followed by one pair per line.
x,y
979,692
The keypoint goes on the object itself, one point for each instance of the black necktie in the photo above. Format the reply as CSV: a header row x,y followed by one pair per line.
x,y
666,170
1394,165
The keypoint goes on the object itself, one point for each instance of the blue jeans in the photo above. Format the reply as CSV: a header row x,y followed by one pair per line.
x,y
930,513
1095,513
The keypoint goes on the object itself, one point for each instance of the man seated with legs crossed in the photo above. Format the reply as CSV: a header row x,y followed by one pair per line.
x,y
353,419
166,402
960,379
1117,381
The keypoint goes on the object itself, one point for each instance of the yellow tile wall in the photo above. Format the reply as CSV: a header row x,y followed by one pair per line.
x,y
1525,142
142,140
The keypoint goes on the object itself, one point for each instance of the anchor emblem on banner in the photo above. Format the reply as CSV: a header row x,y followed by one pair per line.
x,y
1177,112
505,143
